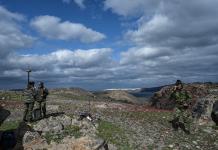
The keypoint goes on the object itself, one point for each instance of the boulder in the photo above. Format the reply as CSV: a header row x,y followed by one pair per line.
x,y
52,108
88,140
161,99
50,124
30,136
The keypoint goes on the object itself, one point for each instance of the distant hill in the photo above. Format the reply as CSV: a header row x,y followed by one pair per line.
x,y
144,94
70,94
117,95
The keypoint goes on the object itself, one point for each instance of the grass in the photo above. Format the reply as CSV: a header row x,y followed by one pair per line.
x,y
11,95
114,134
9,125
71,130
71,96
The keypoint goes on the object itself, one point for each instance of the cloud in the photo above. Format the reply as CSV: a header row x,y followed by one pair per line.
x,y
65,59
143,55
11,36
64,64
171,39
79,3
131,8
52,28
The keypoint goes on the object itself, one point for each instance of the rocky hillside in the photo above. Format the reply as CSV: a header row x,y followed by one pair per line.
x,y
161,99
117,95
123,126
70,94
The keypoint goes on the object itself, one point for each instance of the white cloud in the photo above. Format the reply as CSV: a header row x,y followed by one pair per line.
x,y
64,59
80,3
52,27
11,36
131,8
147,30
143,55
7,15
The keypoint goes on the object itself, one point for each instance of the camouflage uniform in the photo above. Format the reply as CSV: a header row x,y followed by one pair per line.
x,y
181,116
29,99
42,93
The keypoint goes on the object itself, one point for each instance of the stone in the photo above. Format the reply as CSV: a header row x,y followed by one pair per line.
x,y
30,136
52,108
48,125
64,120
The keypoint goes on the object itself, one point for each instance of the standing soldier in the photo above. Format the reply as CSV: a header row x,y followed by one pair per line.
x,y
181,116
42,94
29,98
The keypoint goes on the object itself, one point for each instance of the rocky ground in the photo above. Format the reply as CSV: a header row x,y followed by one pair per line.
x,y
133,127
123,126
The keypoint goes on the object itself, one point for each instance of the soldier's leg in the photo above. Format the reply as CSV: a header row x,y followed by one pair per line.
x,y
176,118
30,112
44,108
185,122
39,106
25,112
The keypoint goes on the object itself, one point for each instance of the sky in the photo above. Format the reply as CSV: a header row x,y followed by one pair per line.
x,y
101,44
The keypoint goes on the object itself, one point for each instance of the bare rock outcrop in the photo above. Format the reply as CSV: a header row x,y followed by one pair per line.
x,y
65,133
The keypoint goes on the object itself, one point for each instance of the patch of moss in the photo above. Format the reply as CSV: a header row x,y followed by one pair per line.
x,y
11,95
114,134
72,130
58,137
9,125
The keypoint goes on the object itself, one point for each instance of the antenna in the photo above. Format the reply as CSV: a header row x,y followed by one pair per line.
x,y
28,74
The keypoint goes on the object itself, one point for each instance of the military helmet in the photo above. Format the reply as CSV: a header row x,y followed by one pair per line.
x,y
41,84
178,82
31,83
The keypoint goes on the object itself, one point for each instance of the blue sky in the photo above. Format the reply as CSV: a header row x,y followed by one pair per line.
x,y
98,44
93,16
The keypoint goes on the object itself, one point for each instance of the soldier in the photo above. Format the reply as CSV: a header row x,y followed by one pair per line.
x,y
29,99
181,116
42,94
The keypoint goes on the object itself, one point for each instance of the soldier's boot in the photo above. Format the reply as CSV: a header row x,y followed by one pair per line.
x,y
25,115
175,124
43,109
182,126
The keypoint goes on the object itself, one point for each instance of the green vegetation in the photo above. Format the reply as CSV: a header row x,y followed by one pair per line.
x,y
71,96
10,95
114,134
68,131
9,125
72,130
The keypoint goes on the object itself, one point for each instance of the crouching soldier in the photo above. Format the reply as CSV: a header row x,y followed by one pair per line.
x,y
182,116
42,94
29,99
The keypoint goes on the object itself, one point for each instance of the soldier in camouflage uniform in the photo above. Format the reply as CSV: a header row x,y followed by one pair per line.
x,y
181,116
42,93
29,99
